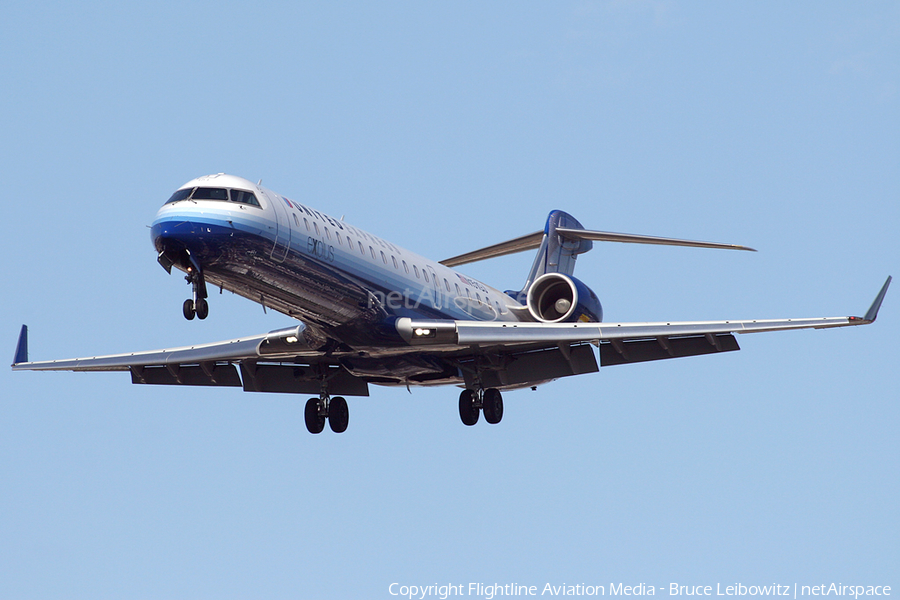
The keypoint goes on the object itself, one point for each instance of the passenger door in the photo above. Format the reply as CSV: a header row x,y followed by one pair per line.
x,y
283,229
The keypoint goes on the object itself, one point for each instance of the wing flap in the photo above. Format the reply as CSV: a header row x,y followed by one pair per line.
x,y
632,351
296,379
527,368
206,374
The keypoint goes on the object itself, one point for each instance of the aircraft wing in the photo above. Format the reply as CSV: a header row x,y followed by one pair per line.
x,y
258,357
286,361
619,342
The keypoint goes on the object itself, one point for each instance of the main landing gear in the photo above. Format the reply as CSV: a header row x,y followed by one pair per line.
x,y
490,401
196,304
318,410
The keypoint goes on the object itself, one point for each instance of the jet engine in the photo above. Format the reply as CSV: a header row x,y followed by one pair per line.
x,y
558,298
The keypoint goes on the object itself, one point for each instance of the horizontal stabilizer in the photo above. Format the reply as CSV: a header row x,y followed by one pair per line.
x,y
520,244
533,240
630,238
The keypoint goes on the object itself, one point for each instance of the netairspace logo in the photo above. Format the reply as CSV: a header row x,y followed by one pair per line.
x,y
490,591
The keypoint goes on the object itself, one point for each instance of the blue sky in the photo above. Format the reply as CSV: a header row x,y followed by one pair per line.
x,y
445,128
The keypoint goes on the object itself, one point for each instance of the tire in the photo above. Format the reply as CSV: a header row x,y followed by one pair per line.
x,y
202,308
315,422
493,406
468,412
338,415
188,309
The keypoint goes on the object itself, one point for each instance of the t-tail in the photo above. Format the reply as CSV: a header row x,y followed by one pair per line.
x,y
551,293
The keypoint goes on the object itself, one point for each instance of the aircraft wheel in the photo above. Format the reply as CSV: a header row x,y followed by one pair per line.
x,y
468,412
188,309
493,406
338,414
202,308
315,422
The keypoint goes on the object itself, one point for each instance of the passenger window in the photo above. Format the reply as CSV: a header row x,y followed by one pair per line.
x,y
327,234
316,225
458,291
180,195
349,243
425,274
416,269
394,259
372,252
478,297
305,222
447,285
361,249
383,257
210,194
406,267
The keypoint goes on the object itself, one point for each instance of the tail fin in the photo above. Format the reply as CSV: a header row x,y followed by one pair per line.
x,y
557,254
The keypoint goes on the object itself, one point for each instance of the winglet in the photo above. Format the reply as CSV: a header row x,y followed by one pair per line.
x,y
872,313
22,347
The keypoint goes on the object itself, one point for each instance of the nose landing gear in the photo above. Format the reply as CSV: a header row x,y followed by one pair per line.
x,y
200,308
196,304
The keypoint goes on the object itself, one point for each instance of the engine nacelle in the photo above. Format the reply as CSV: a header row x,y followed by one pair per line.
x,y
558,298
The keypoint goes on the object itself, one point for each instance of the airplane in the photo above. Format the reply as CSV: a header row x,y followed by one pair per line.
x,y
370,312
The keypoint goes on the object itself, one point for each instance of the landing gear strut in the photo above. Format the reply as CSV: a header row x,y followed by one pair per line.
x,y
196,304
334,410
490,401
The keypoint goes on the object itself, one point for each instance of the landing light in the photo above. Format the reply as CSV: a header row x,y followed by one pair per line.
x,y
422,332
291,339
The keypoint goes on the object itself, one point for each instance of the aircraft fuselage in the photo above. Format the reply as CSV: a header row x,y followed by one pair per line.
x,y
311,266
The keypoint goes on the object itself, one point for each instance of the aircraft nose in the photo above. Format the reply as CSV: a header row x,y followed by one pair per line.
x,y
177,237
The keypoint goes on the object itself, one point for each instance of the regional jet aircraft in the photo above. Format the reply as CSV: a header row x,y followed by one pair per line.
x,y
370,312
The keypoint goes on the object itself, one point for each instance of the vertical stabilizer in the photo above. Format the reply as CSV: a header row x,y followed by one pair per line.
x,y
557,254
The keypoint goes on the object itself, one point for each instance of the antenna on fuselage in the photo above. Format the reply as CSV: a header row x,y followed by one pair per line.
x,y
259,182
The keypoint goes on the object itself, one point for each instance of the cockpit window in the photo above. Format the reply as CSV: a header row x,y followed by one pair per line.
x,y
202,193
180,195
244,197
